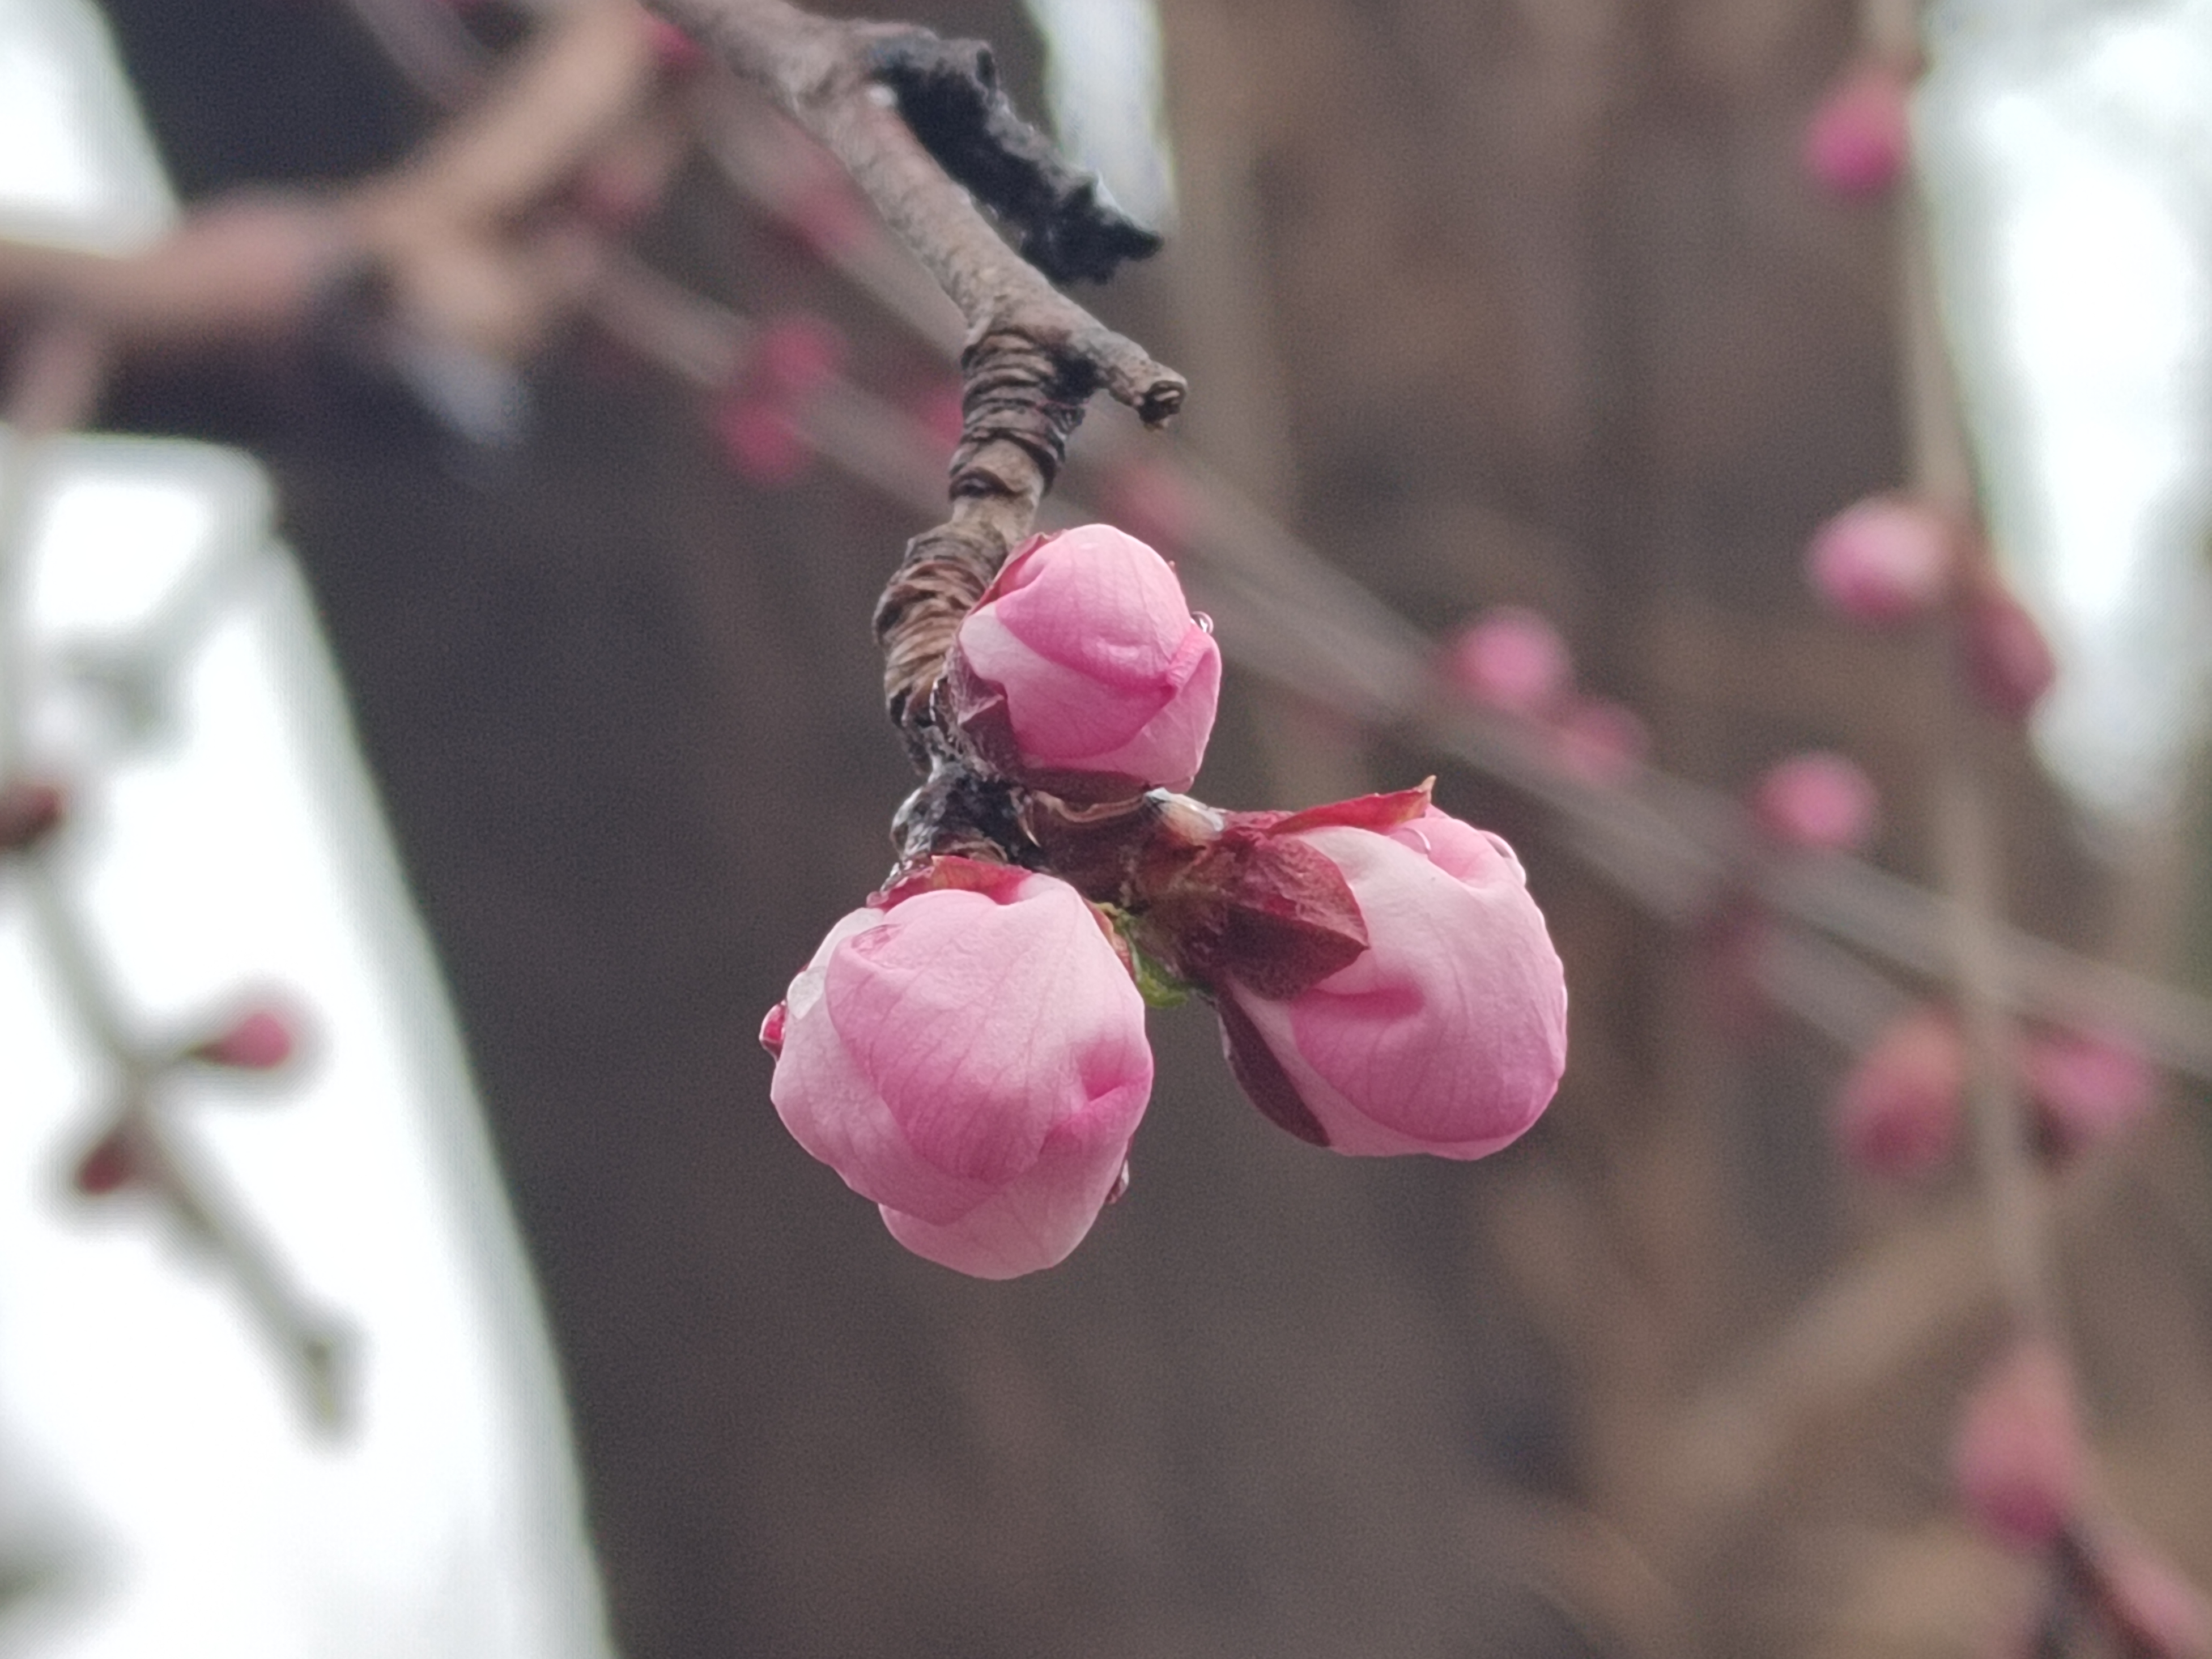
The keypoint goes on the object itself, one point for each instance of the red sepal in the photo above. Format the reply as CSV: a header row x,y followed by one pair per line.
x,y
1262,1077
1381,813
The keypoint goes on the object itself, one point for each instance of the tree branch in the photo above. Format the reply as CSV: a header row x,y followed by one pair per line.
x,y
1033,356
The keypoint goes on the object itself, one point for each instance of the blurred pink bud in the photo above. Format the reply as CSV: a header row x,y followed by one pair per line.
x,y
1883,559
1447,1033
1897,1110
1860,138
258,1040
674,53
938,407
2159,1615
1082,672
1154,499
760,442
2007,662
1600,741
31,809
1511,659
2088,1088
972,1057
108,1165
798,355
615,196
2017,1461
1820,801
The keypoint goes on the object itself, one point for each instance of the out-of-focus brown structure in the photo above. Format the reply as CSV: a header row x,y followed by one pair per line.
x,y
1490,301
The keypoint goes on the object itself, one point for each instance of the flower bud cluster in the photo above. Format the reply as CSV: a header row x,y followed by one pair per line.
x,y
968,1049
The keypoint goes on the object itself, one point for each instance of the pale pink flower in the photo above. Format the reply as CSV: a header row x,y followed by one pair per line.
x,y
1446,1034
1512,659
1082,672
1860,138
1899,1108
1883,559
2018,1457
1818,801
970,1055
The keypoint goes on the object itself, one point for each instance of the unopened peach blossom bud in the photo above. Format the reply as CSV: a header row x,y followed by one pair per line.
x,y
1600,741
2007,661
1897,1110
31,809
1818,801
2017,1460
2087,1088
1883,559
1512,659
1860,137
969,1051
258,1040
107,1166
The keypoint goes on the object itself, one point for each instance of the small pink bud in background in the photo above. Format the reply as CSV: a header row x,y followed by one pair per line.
x,y
1860,138
1447,1034
1897,1110
972,1057
759,441
1600,741
31,809
2007,661
1883,559
1152,498
796,354
107,1166
1818,801
674,53
1082,672
1512,659
2017,1461
2158,1613
258,1040
2088,1088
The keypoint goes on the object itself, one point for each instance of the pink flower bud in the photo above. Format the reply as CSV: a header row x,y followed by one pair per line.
x,y
2017,1461
2007,662
674,53
1082,672
760,442
1600,741
2158,1613
1883,559
2088,1088
107,1166
970,1055
31,809
797,356
258,1040
1860,138
1898,1111
1818,801
1513,660
1447,1033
